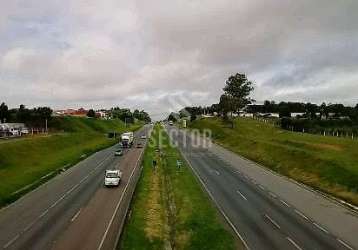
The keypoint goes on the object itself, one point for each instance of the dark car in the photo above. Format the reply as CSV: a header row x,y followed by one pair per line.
x,y
139,145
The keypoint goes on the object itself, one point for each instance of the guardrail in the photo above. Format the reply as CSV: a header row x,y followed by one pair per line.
x,y
115,228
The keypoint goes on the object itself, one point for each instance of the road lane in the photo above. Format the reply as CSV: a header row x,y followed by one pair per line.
x,y
40,217
264,220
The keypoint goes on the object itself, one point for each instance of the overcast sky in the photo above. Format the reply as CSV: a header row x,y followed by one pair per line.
x,y
161,55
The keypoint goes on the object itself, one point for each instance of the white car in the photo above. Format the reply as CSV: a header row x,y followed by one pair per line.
x,y
143,137
112,178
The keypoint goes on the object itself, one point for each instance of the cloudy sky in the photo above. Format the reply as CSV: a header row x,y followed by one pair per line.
x,y
161,55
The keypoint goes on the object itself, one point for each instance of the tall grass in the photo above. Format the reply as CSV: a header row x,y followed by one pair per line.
x,y
170,208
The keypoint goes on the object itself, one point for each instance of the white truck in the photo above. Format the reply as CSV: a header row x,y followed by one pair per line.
x,y
127,139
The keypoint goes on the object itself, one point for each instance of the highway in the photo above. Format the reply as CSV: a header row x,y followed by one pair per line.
x,y
74,210
267,211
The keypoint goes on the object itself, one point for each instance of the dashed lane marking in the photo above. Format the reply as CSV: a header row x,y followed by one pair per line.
x,y
293,243
320,227
243,196
272,221
345,244
284,203
301,214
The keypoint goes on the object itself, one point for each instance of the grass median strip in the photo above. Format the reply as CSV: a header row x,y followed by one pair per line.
x,y
170,210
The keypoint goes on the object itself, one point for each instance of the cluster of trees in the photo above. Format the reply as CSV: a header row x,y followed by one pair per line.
x,y
309,110
127,116
35,117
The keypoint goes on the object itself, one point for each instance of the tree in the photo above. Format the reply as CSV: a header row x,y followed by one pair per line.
x,y
24,115
225,105
91,113
4,112
237,91
172,117
284,110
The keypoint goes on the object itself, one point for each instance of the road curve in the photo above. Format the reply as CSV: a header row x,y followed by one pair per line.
x,y
73,210
266,210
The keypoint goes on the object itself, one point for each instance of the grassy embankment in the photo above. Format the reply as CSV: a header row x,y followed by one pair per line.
x,y
170,210
23,162
325,163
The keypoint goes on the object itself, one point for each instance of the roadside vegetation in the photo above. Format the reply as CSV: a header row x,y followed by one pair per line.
x,y
33,160
326,163
169,209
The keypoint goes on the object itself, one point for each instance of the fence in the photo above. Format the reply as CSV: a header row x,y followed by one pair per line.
x,y
333,132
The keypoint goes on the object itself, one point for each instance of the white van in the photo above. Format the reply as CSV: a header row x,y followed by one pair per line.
x,y
112,178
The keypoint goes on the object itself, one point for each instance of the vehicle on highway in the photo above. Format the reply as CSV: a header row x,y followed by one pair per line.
x,y
118,152
127,139
139,145
171,123
143,137
112,178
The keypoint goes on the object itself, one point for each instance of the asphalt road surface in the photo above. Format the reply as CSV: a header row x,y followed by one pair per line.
x,y
267,211
73,210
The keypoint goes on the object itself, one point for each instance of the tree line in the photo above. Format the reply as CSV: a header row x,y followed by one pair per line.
x,y
307,110
127,116
37,117
236,98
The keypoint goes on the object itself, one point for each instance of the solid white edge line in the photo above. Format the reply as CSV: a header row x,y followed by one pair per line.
x,y
76,215
243,196
293,243
118,204
215,202
272,221
11,241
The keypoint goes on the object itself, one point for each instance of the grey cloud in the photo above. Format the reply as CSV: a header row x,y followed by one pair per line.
x,y
171,53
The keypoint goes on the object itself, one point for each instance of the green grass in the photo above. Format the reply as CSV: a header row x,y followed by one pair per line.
x,y
25,161
325,163
170,208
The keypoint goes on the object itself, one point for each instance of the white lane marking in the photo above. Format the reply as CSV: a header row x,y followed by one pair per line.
x,y
301,214
43,214
293,243
216,203
320,228
215,171
59,200
11,241
272,221
272,195
243,196
284,203
76,215
345,244
118,204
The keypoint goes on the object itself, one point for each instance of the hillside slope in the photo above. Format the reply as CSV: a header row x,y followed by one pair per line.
x,y
326,163
25,161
